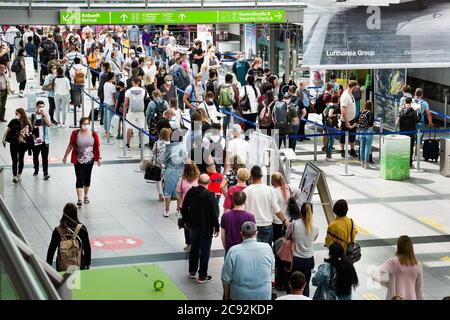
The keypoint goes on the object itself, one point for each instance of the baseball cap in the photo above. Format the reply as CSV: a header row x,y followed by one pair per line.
x,y
248,229
237,128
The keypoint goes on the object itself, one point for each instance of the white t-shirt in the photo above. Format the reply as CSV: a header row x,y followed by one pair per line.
x,y
262,202
211,111
109,89
303,242
239,147
252,96
347,101
134,90
293,297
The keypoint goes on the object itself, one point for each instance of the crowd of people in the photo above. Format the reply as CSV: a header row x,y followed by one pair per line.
x,y
146,79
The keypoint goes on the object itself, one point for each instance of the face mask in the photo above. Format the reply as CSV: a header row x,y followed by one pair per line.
x,y
199,82
169,82
38,116
241,58
173,118
85,127
210,100
17,116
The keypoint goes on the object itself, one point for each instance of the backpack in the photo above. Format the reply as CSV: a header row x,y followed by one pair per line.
x,y
280,115
78,78
155,117
363,120
16,65
192,97
47,48
305,99
320,103
407,119
265,116
244,103
210,86
419,108
70,250
357,93
178,79
136,100
225,96
216,150
326,120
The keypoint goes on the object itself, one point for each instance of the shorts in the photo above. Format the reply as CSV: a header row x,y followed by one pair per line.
x,y
351,137
136,119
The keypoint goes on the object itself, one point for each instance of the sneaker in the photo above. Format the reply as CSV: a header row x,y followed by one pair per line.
x,y
35,173
15,180
201,280
366,166
192,275
329,159
119,137
19,177
21,95
128,147
46,177
362,164
166,214
342,153
79,203
353,153
187,249
412,166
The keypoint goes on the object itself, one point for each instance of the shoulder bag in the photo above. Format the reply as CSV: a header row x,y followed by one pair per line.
x,y
354,249
153,172
286,250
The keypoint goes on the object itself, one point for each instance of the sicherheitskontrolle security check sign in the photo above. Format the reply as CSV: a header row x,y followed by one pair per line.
x,y
172,17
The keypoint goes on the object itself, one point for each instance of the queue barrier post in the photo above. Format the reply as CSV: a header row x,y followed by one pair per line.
x,y
92,113
82,103
74,109
141,142
445,109
315,141
346,173
418,151
381,138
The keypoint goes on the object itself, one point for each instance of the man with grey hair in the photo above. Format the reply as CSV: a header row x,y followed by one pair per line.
x,y
236,146
246,273
200,214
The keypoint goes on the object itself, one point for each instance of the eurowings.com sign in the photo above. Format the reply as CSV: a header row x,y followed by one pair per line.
x,y
339,35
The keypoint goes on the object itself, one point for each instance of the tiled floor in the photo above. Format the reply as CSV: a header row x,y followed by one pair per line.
x,y
123,204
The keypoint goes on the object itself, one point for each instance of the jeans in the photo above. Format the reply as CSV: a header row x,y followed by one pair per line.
x,y
420,126
108,114
293,140
44,149
17,151
250,117
265,234
304,265
278,231
366,145
61,103
200,249
148,51
180,98
330,143
282,139
51,108
226,120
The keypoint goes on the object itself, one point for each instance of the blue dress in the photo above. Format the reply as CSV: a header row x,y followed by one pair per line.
x,y
175,156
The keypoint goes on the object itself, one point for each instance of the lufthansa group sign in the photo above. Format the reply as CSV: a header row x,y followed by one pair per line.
x,y
351,35
173,17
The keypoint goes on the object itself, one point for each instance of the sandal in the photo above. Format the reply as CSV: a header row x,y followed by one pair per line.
x,y
86,200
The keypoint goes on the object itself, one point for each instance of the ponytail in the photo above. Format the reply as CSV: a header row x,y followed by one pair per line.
x,y
307,217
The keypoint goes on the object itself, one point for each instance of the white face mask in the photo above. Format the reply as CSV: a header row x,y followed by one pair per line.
x,y
38,116
210,100
173,118
199,82
169,82
85,127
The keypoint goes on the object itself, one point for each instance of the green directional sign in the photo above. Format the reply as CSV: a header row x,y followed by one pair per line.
x,y
172,17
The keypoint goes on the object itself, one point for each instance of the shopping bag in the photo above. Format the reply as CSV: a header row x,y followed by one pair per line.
x,y
114,126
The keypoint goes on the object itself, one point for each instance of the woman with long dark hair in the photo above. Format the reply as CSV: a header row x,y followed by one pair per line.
x,y
17,134
70,227
336,277
252,92
21,76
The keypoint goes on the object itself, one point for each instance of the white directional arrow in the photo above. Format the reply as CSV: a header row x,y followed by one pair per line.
x,y
123,17
182,16
130,241
278,15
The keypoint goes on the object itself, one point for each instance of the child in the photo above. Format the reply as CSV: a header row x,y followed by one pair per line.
x,y
215,181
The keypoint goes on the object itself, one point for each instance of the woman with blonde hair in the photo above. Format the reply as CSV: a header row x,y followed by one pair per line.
x,y
243,175
204,117
303,233
150,67
404,271
188,180
231,178
282,194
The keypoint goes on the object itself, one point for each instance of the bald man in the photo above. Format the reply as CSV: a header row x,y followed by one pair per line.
x,y
200,214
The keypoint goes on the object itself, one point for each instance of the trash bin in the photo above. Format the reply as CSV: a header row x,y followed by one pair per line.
x,y
445,156
394,164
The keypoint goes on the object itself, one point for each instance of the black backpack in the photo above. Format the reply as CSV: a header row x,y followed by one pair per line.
x,y
320,104
408,119
48,47
210,86
155,117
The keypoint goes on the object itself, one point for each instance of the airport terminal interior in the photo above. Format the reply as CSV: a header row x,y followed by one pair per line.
x,y
221,150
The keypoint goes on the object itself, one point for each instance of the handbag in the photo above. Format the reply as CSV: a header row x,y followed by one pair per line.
x,y
286,250
153,173
353,250
244,103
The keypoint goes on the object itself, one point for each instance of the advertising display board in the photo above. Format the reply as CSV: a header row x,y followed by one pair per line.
x,y
350,35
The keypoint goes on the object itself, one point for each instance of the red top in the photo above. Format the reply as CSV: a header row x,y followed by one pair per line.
x,y
73,142
215,182
228,203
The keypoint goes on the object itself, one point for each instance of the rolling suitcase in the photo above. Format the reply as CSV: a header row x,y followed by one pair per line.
x,y
431,148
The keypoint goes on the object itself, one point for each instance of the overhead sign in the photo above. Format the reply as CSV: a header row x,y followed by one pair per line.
x,y
394,36
172,17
